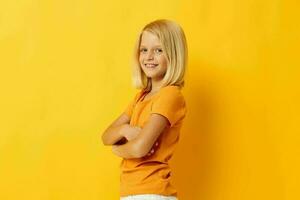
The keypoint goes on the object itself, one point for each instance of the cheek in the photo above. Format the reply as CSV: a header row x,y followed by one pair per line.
x,y
163,61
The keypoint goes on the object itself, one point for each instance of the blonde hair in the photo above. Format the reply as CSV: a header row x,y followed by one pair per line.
x,y
174,45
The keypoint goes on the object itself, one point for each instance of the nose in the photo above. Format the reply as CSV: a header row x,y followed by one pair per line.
x,y
149,55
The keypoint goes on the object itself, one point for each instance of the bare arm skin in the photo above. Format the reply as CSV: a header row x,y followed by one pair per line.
x,y
141,145
113,134
120,131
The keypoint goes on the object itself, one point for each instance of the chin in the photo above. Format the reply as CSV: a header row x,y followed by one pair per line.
x,y
151,75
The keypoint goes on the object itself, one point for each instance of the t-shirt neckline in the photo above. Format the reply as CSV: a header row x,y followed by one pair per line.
x,y
142,97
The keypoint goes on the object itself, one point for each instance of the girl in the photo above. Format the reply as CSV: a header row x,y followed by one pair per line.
x,y
146,134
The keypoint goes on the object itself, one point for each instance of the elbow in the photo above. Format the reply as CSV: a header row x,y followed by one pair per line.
x,y
104,141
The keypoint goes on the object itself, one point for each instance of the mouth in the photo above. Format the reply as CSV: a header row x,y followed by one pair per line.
x,y
150,65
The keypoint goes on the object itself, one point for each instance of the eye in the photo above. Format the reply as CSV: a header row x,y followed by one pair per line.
x,y
158,50
143,50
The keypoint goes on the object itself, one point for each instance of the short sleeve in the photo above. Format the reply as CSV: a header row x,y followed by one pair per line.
x,y
171,104
129,109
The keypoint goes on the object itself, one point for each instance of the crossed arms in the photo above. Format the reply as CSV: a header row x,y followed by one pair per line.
x,y
133,142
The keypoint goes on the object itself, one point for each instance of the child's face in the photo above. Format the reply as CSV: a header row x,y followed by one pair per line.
x,y
152,58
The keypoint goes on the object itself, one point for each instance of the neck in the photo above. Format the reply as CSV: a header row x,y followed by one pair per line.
x,y
156,85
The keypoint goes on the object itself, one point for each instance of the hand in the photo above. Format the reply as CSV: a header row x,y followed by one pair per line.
x,y
130,132
153,149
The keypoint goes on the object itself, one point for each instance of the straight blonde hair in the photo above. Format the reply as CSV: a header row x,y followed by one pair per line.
x,y
174,45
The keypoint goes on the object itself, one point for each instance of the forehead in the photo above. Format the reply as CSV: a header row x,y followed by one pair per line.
x,y
149,39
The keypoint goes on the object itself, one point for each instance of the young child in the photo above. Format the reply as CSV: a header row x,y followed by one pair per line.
x,y
146,134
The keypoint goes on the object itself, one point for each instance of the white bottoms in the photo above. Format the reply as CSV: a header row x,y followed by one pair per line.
x,y
148,197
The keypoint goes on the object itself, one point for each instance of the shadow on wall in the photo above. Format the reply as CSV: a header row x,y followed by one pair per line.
x,y
196,160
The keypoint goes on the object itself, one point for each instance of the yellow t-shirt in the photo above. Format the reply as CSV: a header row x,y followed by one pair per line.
x,y
152,174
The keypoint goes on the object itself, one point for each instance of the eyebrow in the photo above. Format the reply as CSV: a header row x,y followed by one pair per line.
x,y
154,46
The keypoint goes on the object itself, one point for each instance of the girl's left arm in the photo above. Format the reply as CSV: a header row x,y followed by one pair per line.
x,y
142,144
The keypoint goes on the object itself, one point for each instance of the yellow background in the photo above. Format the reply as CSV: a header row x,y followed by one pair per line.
x,y
65,76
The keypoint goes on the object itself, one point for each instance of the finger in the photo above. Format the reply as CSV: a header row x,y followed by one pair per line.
x,y
151,152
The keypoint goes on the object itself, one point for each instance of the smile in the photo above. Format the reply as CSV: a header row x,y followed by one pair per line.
x,y
151,65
